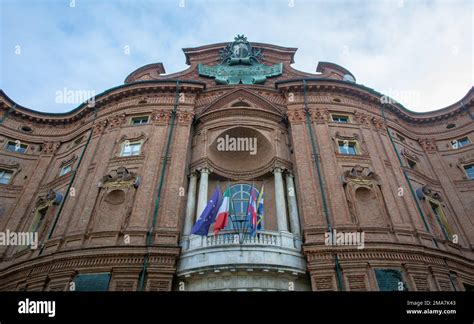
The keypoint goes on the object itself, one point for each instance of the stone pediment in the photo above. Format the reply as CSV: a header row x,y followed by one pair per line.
x,y
241,99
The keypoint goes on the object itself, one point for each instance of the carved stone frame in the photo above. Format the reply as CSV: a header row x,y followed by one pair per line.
x,y
15,168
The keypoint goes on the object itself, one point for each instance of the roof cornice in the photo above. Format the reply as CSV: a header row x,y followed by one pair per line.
x,y
375,97
125,90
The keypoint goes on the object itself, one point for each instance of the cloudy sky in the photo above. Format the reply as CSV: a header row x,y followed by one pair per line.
x,y
418,52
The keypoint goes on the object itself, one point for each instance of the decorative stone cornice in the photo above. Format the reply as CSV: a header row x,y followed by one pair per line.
x,y
373,98
405,152
165,257
69,161
354,137
254,102
241,175
101,100
317,253
133,137
10,166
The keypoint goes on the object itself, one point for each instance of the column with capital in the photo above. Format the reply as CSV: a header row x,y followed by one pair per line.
x,y
280,200
202,194
190,204
292,204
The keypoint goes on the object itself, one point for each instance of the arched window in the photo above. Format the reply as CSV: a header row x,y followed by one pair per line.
x,y
240,195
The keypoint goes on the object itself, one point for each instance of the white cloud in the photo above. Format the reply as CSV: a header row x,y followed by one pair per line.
x,y
422,47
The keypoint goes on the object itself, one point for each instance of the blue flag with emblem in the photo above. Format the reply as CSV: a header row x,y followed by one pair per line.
x,y
208,215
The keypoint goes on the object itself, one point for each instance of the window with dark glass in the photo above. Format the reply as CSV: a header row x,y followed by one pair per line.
x,y
5,176
139,120
240,195
340,119
92,282
390,280
16,147
411,164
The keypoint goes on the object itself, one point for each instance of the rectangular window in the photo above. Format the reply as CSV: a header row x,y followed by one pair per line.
x,y
139,120
131,149
340,119
16,147
390,280
411,164
65,169
460,142
347,148
469,169
5,176
92,282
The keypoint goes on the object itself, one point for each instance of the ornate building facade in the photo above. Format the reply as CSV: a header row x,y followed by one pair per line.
x,y
113,187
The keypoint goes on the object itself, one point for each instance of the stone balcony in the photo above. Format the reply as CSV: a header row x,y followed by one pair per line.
x,y
280,251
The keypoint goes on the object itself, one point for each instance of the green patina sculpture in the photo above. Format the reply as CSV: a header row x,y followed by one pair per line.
x,y
240,64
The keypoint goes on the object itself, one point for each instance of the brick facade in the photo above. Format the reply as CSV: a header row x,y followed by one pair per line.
x,y
109,202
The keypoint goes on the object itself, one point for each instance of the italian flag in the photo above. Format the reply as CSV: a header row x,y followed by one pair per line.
x,y
223,213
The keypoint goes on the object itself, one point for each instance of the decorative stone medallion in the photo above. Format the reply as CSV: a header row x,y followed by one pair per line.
x,y
240,65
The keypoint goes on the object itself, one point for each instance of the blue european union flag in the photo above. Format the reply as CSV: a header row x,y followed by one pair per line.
x,y
208,215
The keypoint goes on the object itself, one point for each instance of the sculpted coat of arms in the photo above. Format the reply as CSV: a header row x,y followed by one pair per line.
x,y
240,64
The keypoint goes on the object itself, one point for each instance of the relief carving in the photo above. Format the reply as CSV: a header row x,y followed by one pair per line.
x,y
320,116
362,118
50,147
116,120
428,144
161,116
185,117
295,116
99,127
119,178
51,197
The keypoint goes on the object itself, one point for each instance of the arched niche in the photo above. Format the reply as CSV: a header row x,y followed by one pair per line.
x,y
240,150
364,197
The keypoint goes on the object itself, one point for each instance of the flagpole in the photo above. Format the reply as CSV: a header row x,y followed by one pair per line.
x,y
248,221
261,198
218,185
